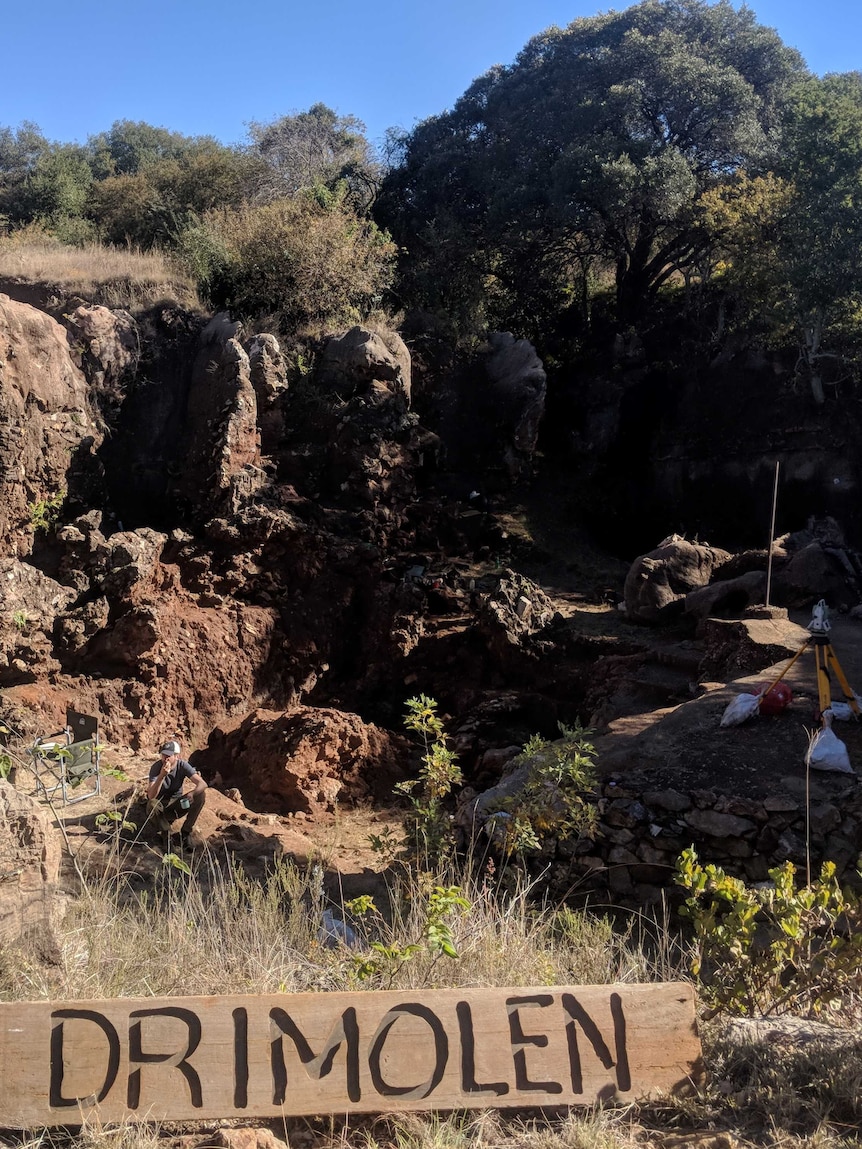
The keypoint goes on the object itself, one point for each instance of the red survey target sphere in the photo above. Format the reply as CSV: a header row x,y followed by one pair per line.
x,y
778,699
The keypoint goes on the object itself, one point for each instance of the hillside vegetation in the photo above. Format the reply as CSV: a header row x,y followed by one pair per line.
x,y
670,161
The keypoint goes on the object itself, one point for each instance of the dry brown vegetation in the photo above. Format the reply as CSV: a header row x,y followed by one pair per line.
x,y
111,276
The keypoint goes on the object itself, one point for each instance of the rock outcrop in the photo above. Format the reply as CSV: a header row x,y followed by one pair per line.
x,y
48,426
30,896
363,362
306,759
658,582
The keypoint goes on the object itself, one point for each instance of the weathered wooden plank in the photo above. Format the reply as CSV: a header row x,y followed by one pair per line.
x,y
262,1056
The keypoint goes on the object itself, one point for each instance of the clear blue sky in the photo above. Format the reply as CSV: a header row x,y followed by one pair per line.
x,y
210,67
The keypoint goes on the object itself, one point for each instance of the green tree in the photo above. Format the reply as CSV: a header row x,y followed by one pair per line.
x,y
156,203
130,145
314,147
20,152
786,243
595,145
822,156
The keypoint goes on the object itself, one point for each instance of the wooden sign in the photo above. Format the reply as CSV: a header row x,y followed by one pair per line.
x,y
313,1053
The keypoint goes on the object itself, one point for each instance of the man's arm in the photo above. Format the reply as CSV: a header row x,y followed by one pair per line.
x,y
199,783
155,783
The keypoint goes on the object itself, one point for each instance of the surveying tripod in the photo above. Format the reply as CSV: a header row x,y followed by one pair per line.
x,y
825,659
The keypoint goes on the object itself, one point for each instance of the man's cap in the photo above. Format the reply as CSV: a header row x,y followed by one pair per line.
x,y
169,748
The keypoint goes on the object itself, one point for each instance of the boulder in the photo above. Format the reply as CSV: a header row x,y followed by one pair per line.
x,y
268,374
30,896
513,614
30,603
727,597
222,436
658,582
109,346
816,572
743,646
306,759
518,384
353,362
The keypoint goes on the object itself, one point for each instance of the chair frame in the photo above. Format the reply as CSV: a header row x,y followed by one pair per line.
x,y
58,752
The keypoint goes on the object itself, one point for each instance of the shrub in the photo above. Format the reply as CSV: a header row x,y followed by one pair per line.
x,y
553,802
765,950
310,260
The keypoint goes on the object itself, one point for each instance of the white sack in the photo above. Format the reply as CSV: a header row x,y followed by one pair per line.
x,y
828,752
743,707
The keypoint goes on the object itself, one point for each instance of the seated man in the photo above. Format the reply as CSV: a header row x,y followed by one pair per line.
x,y
165,798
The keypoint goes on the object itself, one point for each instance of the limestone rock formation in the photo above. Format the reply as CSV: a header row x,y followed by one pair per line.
x,y
727,597
658,582
514,614
360,361
222,436
48,428
30,897
30,603
518,384
109,346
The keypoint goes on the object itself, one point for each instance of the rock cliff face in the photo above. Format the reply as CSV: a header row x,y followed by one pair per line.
x,y
30,898
48,425
236,539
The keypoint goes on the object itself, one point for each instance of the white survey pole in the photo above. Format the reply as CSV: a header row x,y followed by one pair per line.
x,y
771,535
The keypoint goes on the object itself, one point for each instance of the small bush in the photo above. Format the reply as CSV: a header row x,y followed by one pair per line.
x,y
769,949
309,259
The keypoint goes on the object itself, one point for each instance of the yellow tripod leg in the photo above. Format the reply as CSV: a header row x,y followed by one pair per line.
x,y
798,654
842,678
824,686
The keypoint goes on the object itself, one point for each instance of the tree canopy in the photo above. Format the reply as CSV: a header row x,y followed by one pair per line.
x,y
596,144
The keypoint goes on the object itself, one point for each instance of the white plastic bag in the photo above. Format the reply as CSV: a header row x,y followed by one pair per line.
x,y
843,711
827,751
743,707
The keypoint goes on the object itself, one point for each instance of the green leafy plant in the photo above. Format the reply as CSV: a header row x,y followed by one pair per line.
x,y
554,801
19,619
113,820
175,862
385,958
7,765
430,822
764,950
44,513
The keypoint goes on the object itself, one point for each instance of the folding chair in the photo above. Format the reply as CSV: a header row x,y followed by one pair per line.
x,y
69,757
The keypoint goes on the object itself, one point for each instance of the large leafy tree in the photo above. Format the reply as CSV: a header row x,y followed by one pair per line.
x,y
822,239
787,243
593,147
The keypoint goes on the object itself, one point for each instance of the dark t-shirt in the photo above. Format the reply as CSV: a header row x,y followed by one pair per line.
x,y
172,784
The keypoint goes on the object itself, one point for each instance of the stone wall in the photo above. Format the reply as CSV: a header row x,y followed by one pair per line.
x,y
641,832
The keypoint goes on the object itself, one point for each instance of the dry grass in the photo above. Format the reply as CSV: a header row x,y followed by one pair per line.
x,y
242,936
111,276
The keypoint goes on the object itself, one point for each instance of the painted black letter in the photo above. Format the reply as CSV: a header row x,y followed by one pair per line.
x,y
469,1084
55,1092
441,1053
624,1076
315,1066
578,1014
177,1060
240,1058
521,1039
